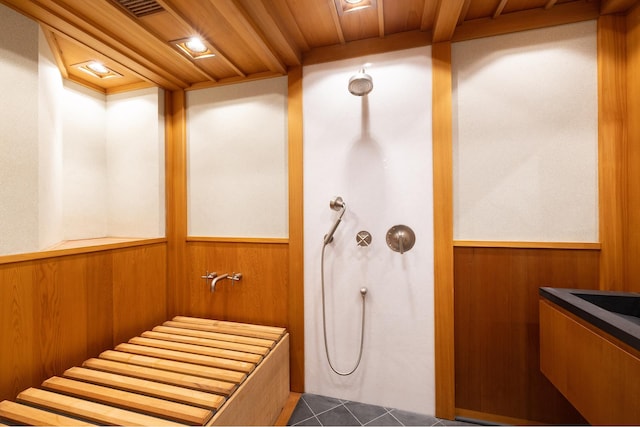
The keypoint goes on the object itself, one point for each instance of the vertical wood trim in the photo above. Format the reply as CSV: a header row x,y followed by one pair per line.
x,y
611,149
443,229
296,231
632,249
176,197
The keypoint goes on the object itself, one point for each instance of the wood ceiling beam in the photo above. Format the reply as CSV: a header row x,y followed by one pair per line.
x,y
616,6
465,11
428,15
446,19
66,23
241,23
336,21
500,8
179,16
285,14
370,46
564,13
55,50
281,42
381,30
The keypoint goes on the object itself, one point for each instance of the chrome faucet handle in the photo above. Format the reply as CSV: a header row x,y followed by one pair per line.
x,y
400,238
209,276
235,277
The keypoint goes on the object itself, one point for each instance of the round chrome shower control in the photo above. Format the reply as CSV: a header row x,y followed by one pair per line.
x,y
363,238
400,238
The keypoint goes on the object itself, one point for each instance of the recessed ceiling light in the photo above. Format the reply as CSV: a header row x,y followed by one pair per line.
x,y
97,69
194,44
194,47
346,6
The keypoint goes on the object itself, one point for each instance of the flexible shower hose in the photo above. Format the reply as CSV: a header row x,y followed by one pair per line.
x,y
363,291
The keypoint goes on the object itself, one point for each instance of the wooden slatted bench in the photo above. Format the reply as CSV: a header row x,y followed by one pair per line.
x,y
187,371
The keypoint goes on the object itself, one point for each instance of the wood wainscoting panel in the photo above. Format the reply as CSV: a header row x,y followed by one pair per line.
x,y
17,302
497,340
56,312
139,290
260,297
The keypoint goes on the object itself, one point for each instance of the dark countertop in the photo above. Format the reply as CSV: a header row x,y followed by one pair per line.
x,y
625,328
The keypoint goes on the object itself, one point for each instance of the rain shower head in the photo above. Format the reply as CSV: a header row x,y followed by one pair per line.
x,y
360,83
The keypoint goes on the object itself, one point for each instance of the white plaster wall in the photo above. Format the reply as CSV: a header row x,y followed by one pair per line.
x,y
525,136
50,128
135,162
85,163
237,160
375,152
18,133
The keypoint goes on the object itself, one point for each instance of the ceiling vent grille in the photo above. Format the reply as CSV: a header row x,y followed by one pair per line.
x,y
140,8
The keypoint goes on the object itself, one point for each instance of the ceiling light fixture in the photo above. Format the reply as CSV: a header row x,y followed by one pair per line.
x,y
97,69
346,6
194,47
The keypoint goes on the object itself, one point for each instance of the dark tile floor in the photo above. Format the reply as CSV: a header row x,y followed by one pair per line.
x,y
315,410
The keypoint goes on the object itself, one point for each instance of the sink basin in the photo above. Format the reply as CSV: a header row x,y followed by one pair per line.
x,y
627,306
617,313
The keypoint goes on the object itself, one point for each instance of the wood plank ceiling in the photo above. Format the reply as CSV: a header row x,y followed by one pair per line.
x,y
261,38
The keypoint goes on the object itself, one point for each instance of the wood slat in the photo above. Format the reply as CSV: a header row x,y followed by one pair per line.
x,y
201,338
224,375
443,230
216,362
92,411
150,388
28,415
245,329
197,349
267,343
125,399
152,374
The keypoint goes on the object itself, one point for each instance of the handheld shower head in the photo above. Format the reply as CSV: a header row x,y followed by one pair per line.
x,y
360,83
337,204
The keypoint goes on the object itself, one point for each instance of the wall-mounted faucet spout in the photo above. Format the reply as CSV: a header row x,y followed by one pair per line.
x,y
216,280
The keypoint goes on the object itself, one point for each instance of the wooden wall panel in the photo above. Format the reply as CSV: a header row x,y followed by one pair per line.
x,y
632,250
497,330
612,142
56,312
139,290
17,301
260,297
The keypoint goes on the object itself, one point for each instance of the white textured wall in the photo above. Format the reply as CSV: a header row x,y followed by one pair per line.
x,y
375,152
50,128
75,163
85,163
135,162
525,136
237,160
18,133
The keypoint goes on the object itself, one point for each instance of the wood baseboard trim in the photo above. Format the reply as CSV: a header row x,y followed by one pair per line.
x,y
525,245
492,418
287,411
